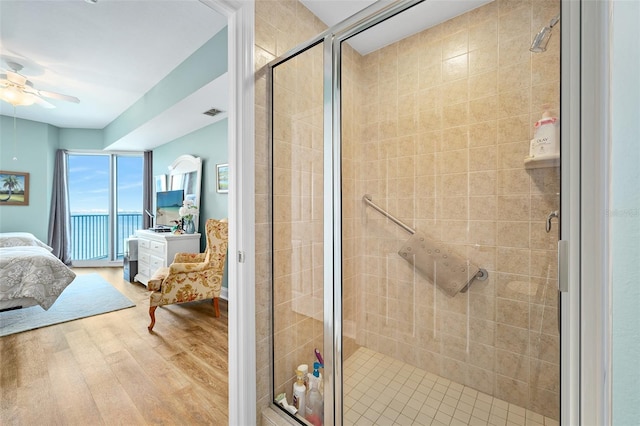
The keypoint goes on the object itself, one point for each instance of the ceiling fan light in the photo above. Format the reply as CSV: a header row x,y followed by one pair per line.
x,y
15,96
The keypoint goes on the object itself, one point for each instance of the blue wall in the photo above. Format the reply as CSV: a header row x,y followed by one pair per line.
x,y
625,211
88,139
35,147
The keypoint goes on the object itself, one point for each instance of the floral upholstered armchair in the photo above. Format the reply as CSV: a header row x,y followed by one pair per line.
x,y
192,276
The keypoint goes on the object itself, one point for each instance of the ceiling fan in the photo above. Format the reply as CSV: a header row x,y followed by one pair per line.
x,y
17,90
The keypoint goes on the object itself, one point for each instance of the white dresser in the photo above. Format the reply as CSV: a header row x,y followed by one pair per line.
x,y
157,249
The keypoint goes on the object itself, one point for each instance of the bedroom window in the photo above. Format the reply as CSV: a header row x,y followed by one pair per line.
x,y
105,202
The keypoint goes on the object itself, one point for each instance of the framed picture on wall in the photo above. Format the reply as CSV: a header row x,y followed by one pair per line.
x,y
14,188
222,178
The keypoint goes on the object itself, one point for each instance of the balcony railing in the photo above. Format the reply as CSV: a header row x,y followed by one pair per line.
x,y
90,234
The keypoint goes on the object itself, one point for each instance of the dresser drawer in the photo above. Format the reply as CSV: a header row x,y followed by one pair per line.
x,y
155,263
157,248
143,258
143,269
143,244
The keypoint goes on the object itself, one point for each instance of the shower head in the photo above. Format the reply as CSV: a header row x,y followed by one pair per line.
x,y
541,39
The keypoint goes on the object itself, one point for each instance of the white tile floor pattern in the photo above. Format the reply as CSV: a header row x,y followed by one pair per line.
x,y
380,390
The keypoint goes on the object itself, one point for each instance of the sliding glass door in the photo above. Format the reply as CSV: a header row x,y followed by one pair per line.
x,y
105,203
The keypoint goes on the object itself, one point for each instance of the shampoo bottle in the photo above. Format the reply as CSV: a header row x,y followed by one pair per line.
x,y
304,369
299,393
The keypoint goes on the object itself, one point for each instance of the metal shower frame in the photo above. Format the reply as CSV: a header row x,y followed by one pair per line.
x,y
331,39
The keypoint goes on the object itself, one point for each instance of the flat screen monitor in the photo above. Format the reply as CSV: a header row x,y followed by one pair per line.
x,y
168,204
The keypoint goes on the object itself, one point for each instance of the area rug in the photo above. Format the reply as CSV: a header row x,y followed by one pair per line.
x,y
86,296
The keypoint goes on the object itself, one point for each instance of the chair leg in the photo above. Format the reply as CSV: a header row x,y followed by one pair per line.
x,y
216,308
152,314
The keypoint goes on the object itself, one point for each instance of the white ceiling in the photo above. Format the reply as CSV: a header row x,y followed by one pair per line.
x,y
418,18
109,54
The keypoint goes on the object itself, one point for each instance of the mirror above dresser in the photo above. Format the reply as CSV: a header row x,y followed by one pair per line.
x,y
185,173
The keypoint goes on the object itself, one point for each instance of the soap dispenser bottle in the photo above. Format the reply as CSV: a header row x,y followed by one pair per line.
x,y
316,376
315,405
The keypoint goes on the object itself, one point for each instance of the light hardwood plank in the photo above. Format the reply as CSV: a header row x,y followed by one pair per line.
x,y
108,369
71,393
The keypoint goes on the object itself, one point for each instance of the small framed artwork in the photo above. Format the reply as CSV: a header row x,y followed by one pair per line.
x,y
161,183
222,178
14,188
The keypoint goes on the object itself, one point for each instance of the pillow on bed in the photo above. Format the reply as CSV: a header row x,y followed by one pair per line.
x,y
21,239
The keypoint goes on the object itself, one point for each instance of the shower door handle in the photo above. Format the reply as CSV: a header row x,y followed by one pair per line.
x,y
563,277
551,216
563,265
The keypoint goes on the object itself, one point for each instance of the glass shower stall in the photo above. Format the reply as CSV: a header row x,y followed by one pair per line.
x,y
414,207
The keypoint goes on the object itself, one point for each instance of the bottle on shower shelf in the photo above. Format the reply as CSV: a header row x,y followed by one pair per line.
x,y
299,393
315,405
545,142
316,376
304,369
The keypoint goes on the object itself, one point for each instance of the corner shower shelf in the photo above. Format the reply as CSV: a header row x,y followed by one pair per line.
x,y
540,162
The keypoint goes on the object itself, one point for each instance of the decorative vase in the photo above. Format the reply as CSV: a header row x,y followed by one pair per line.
x,y
189,226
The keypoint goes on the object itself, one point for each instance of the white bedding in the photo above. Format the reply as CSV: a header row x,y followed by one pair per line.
x,y
31,274
20,239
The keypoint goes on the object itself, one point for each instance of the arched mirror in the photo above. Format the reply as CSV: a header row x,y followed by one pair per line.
x,y
185,173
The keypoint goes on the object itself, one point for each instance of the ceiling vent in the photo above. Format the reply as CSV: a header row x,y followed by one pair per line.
x,y
212,112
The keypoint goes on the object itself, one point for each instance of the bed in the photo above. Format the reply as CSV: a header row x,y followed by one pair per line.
x,y
29,273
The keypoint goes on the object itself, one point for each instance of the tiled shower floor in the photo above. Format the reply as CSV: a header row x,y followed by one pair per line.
x,y
380,390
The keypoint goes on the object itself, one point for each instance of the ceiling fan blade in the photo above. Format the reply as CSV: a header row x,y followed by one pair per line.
x,y
16,78
38,100
54,95
51,95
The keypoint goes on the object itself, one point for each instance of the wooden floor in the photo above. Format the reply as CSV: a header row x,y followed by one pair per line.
x,y
108,369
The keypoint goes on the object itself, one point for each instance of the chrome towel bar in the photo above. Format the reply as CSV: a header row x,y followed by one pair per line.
x,y
367,199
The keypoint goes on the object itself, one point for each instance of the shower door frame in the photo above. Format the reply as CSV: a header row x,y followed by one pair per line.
x,y
333,229
332,209
569,260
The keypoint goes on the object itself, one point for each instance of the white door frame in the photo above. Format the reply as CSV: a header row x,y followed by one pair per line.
x,y
569,258
584,266
593,378
241,141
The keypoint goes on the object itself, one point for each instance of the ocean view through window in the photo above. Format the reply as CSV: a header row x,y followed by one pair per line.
x,y
105,202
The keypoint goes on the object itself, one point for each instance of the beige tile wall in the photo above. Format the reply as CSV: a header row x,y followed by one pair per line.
x,y
436,128
352,94
297,215
447,117
279,26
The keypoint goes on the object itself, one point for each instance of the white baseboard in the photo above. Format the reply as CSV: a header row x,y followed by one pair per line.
x,y
224,294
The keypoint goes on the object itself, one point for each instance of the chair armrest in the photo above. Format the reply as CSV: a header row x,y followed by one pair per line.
x,y
155,282
181,268
189,258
